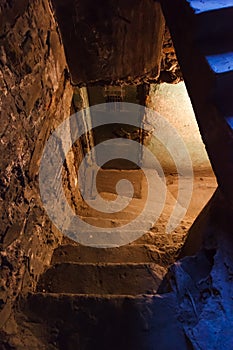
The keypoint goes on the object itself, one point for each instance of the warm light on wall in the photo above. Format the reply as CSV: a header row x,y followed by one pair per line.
x,y
173,103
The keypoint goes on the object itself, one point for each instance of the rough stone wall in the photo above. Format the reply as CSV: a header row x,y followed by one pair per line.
x,y
202,283
110,40
170,70
35,96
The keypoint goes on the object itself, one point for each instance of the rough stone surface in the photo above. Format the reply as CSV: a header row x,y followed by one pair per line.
x,y
53,321
202,283
102,278
197,53
107,41
35,97
170,71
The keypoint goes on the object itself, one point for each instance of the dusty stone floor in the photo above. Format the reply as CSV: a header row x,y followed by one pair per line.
x,y
156,239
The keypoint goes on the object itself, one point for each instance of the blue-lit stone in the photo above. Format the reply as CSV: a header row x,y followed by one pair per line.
x,y
204,6
229,121
221,63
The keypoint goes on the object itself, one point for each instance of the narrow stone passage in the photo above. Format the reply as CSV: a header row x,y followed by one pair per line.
x,y
157,291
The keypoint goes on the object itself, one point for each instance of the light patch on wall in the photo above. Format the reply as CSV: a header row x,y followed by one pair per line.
x,y
172,102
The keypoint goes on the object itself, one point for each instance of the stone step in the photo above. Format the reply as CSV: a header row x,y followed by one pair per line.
x,y
213,20
155,245
210,23
221,68
106,222
108,178
157,235
129,213
94,322
126,254
223,94
129,279
200,6
215,46
108,237
183,25
221,63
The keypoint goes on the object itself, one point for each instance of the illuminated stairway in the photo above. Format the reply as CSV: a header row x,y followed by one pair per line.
x,y
76,316
92,298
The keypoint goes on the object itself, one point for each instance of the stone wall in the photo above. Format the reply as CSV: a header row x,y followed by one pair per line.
x,y
172,102
170,70
35,97
109,41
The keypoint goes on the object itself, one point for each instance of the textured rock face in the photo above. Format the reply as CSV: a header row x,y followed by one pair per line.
x,y
170,70
109,40
202,33
204,53
202,283
35,97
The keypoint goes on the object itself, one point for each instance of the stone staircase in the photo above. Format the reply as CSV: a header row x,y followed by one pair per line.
x,y
202,33
91,298
93,322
